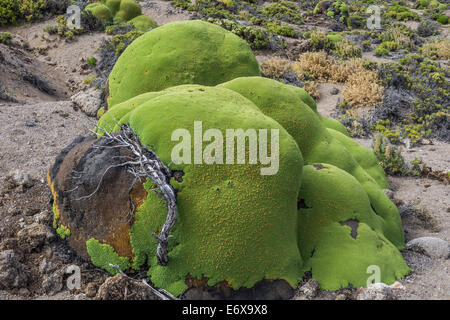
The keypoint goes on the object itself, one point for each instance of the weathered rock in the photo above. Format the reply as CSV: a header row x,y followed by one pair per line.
x,y
46,267
376,291
89,101
41,217
120,287
397,286
433,247
33,237
307,291
103,213
54,283
12,273
18,178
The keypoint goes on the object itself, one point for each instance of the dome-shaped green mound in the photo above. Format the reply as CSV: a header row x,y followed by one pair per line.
x,y
181,89
234,224
100,11
339,235
143,23
295,110
109,11
128,10
187,52
212,197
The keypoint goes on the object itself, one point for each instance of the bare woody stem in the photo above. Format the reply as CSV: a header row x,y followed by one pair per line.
x,y
146,164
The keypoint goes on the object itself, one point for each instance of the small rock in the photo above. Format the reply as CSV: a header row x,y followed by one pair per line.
x,y
33,237
42,217
308,291
53,283
18,178
120,287
89,101
46,267
430,246
12,273
31,211
14,212
389,193
30,123
376,291
341,296
397,286
91,290
334,91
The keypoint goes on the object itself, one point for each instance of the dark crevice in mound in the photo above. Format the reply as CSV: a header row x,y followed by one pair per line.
x,y
319,166
178,175
353,224
301,204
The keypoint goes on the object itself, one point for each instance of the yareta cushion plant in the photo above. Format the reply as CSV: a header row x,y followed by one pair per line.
x,y
323,210
187,52
116,11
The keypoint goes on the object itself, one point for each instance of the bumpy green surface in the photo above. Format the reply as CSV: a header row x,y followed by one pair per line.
x,y
108,11
337,259
234,224
100,11
289,106
143,23
185,52
102,255
230,212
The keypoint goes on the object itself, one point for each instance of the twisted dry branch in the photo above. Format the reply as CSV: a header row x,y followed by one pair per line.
x,y
146,164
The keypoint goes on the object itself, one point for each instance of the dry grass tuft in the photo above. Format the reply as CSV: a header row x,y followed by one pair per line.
x,y
439,48
362,87
276,67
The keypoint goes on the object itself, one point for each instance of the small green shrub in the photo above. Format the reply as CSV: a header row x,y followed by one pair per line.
x,y
389,156
91,61
443,19
5,37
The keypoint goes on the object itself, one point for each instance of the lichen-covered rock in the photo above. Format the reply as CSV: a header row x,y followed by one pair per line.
x,y
184,52
89,101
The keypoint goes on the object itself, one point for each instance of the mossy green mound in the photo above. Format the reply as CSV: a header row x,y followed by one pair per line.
x,y
227,212
186,52
128,10
109,11
234,224
143,23
340,237
293,109
100,11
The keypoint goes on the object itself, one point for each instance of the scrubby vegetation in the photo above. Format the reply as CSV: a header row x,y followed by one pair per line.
x,y
13,11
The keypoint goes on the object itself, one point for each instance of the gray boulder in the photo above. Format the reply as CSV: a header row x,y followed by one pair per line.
x,y
433,247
